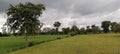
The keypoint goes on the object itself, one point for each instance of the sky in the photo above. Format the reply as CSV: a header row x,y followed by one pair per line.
x,y
69,12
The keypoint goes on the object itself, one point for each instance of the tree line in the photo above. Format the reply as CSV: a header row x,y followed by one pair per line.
x,y
106,27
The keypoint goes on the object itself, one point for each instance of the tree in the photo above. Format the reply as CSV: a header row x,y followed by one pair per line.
x,y
46,30
113,24
88,30
95,29
57,25
24,17
82,31
66,30
75,29
106,26
115,27
53,31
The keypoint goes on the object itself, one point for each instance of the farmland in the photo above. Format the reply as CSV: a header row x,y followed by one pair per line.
x,y
80,44
8,44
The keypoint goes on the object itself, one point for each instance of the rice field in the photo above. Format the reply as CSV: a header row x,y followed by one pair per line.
x,y
8,44
80,44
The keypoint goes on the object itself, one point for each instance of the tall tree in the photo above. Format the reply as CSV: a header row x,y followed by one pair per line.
x,y
115,27
82,30
66,30
88,30
113,24
75,29
46,30
57,25
106,26
95,29
24,17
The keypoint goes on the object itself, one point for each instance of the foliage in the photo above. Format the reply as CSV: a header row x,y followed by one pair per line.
x,y
75,29
106,26
58,37
115,27
46,30
88,30
95,29
82,31
24,17
112,25
4,34
72,33
66,30
57,25
53,31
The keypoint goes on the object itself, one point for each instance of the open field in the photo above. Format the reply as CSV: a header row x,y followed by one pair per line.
x,y
81,44
10,43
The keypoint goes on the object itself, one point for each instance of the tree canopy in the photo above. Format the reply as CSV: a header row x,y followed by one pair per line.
x,y
24,17
57,25
106,26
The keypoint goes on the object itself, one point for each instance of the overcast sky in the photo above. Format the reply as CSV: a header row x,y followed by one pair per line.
x,y
81,12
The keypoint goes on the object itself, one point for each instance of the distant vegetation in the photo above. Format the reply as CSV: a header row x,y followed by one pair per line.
x,y
106,27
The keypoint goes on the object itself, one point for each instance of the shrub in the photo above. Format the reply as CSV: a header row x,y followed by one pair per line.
x,y
58,37
31,44
4,35
67,36
72,33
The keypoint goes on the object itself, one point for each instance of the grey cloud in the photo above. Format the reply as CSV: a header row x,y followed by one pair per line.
x,y
96,6
3,6
80,10
81,7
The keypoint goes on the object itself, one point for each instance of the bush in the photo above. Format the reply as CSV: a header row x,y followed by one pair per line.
x,y
0,34
31,44
4,35
72,34
58,37
67,36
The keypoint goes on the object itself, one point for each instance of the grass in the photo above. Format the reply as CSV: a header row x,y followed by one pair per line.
x,y
80,44
8,44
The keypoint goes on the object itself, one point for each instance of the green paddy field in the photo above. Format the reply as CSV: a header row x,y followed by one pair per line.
x,y
8,44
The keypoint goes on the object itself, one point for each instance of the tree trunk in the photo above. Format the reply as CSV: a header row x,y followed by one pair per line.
x,y
57,30
14,32
26,39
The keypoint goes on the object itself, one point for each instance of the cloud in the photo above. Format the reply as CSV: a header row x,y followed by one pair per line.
x,y
83,12
83,7
2,20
